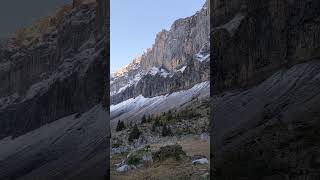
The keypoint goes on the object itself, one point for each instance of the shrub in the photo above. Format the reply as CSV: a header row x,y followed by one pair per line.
x,y
139,156
134,134
169,151
133,160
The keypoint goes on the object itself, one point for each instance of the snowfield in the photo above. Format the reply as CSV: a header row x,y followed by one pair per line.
x,y
135,108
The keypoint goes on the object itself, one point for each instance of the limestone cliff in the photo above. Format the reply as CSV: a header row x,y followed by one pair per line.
x,y
51,92
178,59
56,74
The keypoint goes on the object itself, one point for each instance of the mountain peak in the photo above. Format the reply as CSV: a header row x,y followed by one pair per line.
x,y
135,64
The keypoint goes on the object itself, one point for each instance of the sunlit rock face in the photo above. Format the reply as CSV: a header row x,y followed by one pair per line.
x,y
57,74
178,59
178,45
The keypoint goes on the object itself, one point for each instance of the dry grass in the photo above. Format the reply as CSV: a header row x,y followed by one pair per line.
x,y
169,169
166,170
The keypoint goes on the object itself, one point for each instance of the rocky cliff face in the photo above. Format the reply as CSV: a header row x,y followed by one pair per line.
x,y
59,74
180,44
265,99
159,81
63,96
178,59
253,39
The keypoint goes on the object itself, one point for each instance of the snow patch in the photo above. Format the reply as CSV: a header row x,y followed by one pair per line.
x,y
233,25
204,53
155,70
201,161
182,69
133,108
164,73
201,57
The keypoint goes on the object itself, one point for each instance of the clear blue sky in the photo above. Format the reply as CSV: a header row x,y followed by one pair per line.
x,y
135,23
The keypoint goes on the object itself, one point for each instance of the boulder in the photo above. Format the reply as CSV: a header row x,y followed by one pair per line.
x,y
123,168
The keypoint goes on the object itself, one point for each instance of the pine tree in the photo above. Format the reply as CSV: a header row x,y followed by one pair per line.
x,y
154,127
169,115
157,122
144,119
120,126
166,131
134,134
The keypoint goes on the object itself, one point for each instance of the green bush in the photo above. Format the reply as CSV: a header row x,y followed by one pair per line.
x,y
136,157
133,160
170,151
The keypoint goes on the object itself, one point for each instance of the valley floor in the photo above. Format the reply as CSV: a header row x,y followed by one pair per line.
x,y
175,141
170,168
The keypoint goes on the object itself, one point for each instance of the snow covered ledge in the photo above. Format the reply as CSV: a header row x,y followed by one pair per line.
x,y
233,25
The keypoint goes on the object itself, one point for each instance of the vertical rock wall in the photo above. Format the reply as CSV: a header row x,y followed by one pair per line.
x,y
60,74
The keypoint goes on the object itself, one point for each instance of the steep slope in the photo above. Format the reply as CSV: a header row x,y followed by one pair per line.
x,y
178,60
73,147
279,118
266,89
